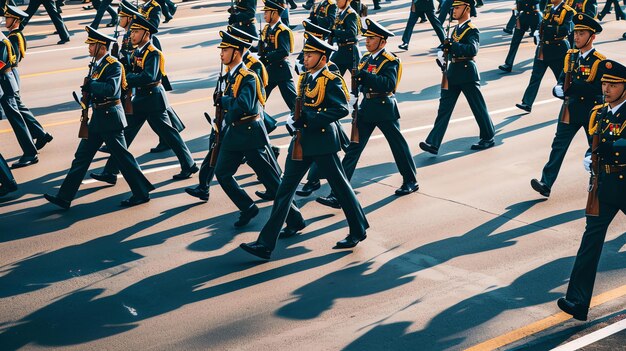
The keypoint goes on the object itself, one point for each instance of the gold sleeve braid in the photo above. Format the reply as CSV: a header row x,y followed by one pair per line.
x,y
12,57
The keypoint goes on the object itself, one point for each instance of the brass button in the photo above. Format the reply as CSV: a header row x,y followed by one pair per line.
x,y
249,127
617,154
305,126
323,130
603,139
621,176
616,162
582,98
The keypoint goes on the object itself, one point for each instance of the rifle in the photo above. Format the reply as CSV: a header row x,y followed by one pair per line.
x,y
261,46
296,152
354,86
566,84
84,101
219,119
115,49
540,52
444,68
593,203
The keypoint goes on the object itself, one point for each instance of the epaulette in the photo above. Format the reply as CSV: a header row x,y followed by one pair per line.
x,y
572,51
331,2
593,126
565,6
390,56
243,70
282,26
599,55
154,3
367,54
111,59
328,74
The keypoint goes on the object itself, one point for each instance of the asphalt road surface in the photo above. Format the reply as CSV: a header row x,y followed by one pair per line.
x,y
475,258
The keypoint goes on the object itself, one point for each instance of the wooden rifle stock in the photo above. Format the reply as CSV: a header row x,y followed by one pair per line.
x,y
444,69
296,152
593,203
85,100
219,119
565,117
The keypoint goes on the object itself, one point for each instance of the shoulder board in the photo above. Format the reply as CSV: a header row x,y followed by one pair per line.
x,y
350,10
599,55
471,25
597,107
572,51
154,3
367,54
243,70
390,56
151,48
111,59
331,2
282,26
568,8
328,74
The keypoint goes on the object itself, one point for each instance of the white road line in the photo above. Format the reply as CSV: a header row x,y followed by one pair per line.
x,y
378,136
593,337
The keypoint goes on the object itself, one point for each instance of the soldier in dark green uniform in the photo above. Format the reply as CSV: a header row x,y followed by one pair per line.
x,y
378,76
277,45
14,17
345,33
608,121
242,16
426,7
588,7
152,11
244,134
582,95
463,77
527,19
149,102
551,50
106,125
318,141
323,14
7,182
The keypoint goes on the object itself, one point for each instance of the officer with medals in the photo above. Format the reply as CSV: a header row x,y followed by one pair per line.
x,y
584,91
323,14
527,19
277,45
608,127
149,100
14,17
313,178
244,134
345,33
325,101
242,16
7,182
551,49
462,77
378,77
106,125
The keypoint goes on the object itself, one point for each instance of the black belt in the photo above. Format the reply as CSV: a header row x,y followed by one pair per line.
x,y
345,44
149,86
461,59
104,105
377,95
246,120
608,169
555,41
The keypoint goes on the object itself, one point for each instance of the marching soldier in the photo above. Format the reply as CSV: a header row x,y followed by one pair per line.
x,y
277,45
527,19
151,10
378,76
427,8
551,50
106,125
7,182
14,17
462,77
588,7
323,14
345,33
324,101
582,89
242,16
243,134
149,102
607,125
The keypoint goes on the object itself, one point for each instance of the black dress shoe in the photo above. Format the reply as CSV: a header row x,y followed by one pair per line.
x,y
41,142
349,242
167,20
257,250
407,188
246,216
25,161
483,144
330,201
289,232
104,177
186,174
376,7
160,148
524,107
507,31
403,46
540,187
423,20
173,10
577,311
63,41
104,149
134,201
429,148
8,188
308,188
199,192
505,67
57,201
265,195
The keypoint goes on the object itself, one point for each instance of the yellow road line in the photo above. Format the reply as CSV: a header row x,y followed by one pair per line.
x,y
543,324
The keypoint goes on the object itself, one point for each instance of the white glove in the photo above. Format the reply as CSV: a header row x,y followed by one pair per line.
x,y
440,58
223,85
352,104
536,38
558,91
299,67
363,24
290,121
587,163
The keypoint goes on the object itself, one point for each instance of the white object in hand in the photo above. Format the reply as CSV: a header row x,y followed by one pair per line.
x,y
558,89
587,163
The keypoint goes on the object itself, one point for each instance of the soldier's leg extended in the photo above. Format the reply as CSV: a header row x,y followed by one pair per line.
x,y
160,123
331,169
6,177
410,24
130,132
437,26
271,180
288,92
34,127
580,287
206,171
137,181
539,69
57,20
270,87
354,151
479,109
228,163
556,66
294,171
85,153
518,34
446,106
399,149
562,139
24,138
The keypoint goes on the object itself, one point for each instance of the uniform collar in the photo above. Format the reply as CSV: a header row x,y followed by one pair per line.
x,y
464,23
616,108
272,27
141,49
558,7
97,63
232,72
585,54
376,54
317,73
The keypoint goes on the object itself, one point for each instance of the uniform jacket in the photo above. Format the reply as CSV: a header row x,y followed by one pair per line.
x,y
529,12
323,14
256,66
106,85
244,12
380,76
585,90
8,81
422,5
278,44
152,11
465,44
16,37
589,7
148,67
554,29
